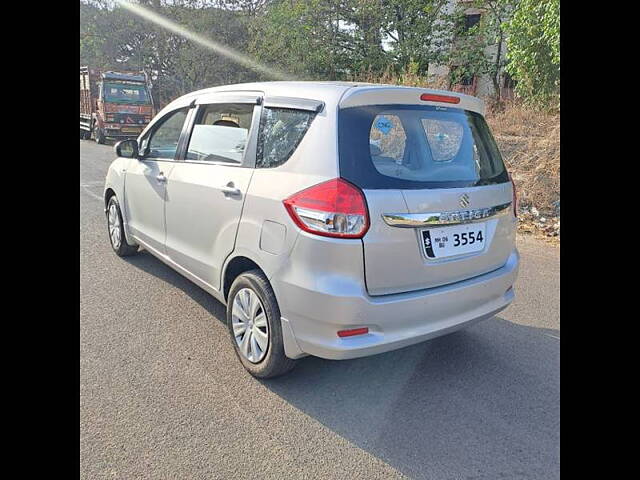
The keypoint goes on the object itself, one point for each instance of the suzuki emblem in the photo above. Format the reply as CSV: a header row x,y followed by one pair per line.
x,y
465,201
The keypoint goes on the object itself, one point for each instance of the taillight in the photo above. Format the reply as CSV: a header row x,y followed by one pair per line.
x,y
334,208
515,196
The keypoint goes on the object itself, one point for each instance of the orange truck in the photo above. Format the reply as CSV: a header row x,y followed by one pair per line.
x,y
114,104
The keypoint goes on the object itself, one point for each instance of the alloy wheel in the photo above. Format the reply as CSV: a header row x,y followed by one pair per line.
x,y
250,327
114,226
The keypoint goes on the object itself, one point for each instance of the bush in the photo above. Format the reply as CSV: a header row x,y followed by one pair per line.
x,y
533,46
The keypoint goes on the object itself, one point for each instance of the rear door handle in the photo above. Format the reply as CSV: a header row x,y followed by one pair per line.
x,y
229,189
161,178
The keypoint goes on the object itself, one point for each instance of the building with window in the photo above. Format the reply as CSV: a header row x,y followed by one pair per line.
x,y
466,82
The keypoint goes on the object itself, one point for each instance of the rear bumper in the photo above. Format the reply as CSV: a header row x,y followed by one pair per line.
x,y
311,318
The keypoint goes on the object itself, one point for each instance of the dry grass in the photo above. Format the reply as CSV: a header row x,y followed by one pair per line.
x,y
529,140
407,79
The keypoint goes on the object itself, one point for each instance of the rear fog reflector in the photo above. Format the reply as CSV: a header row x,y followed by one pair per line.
x,y
353,331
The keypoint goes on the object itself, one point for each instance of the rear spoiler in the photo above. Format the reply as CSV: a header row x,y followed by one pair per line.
x,y
397,95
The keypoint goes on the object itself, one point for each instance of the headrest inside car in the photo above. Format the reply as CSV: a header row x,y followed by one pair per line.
x,y
226,123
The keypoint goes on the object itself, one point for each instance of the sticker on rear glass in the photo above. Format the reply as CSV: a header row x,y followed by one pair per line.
x,y
384,125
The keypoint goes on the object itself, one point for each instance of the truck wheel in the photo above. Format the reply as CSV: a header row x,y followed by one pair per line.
x,y
100,138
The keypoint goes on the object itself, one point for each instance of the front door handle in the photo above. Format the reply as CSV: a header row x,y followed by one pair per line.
x,y
161,178
229,189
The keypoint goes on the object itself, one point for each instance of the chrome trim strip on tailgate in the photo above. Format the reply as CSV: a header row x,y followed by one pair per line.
x,y
414,220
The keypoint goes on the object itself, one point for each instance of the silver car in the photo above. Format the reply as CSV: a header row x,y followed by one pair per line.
x,y
332,219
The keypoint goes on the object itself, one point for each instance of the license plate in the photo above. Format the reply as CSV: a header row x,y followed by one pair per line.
x,y
455,240
130,130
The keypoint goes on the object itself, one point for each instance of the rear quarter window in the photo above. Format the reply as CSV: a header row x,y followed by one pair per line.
x,y
416,146
281,131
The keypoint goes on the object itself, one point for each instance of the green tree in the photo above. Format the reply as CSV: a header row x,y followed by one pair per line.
x,y
197,67
480,50
111,37
328,39
498,12
98,46
534,49
304,37
466,56
335,38
365,50
419,32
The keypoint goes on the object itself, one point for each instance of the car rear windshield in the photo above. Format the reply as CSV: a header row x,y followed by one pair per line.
x,y
416,146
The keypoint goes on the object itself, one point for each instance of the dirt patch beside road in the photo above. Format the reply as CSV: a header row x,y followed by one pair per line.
x,y
530,144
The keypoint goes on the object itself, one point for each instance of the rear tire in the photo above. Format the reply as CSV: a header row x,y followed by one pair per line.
x,y
268,363
115,228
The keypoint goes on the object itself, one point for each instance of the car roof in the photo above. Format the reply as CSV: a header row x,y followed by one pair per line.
x,y
344,94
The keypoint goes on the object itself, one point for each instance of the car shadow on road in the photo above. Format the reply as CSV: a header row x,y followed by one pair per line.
x,y
482,403
150,264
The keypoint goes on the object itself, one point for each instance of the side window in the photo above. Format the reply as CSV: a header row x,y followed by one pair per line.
x,y
471,20
220,133
387,140
163,141
281,131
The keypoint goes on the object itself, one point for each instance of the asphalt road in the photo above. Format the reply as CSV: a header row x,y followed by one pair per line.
x,y
162,395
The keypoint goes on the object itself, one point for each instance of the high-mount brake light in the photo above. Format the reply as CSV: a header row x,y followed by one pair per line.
x,y
432,97
334,208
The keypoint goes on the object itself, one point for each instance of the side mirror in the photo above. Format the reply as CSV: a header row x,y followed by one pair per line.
x,y
127,148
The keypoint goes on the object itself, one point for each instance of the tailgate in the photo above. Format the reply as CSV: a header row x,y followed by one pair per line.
x,y
437,190
396,258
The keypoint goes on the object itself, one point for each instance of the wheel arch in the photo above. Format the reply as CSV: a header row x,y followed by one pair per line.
x,y
241,263
234,267
108,193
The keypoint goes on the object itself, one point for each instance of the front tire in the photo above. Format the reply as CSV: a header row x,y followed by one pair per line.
x,y
116,230
99,135
253,319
